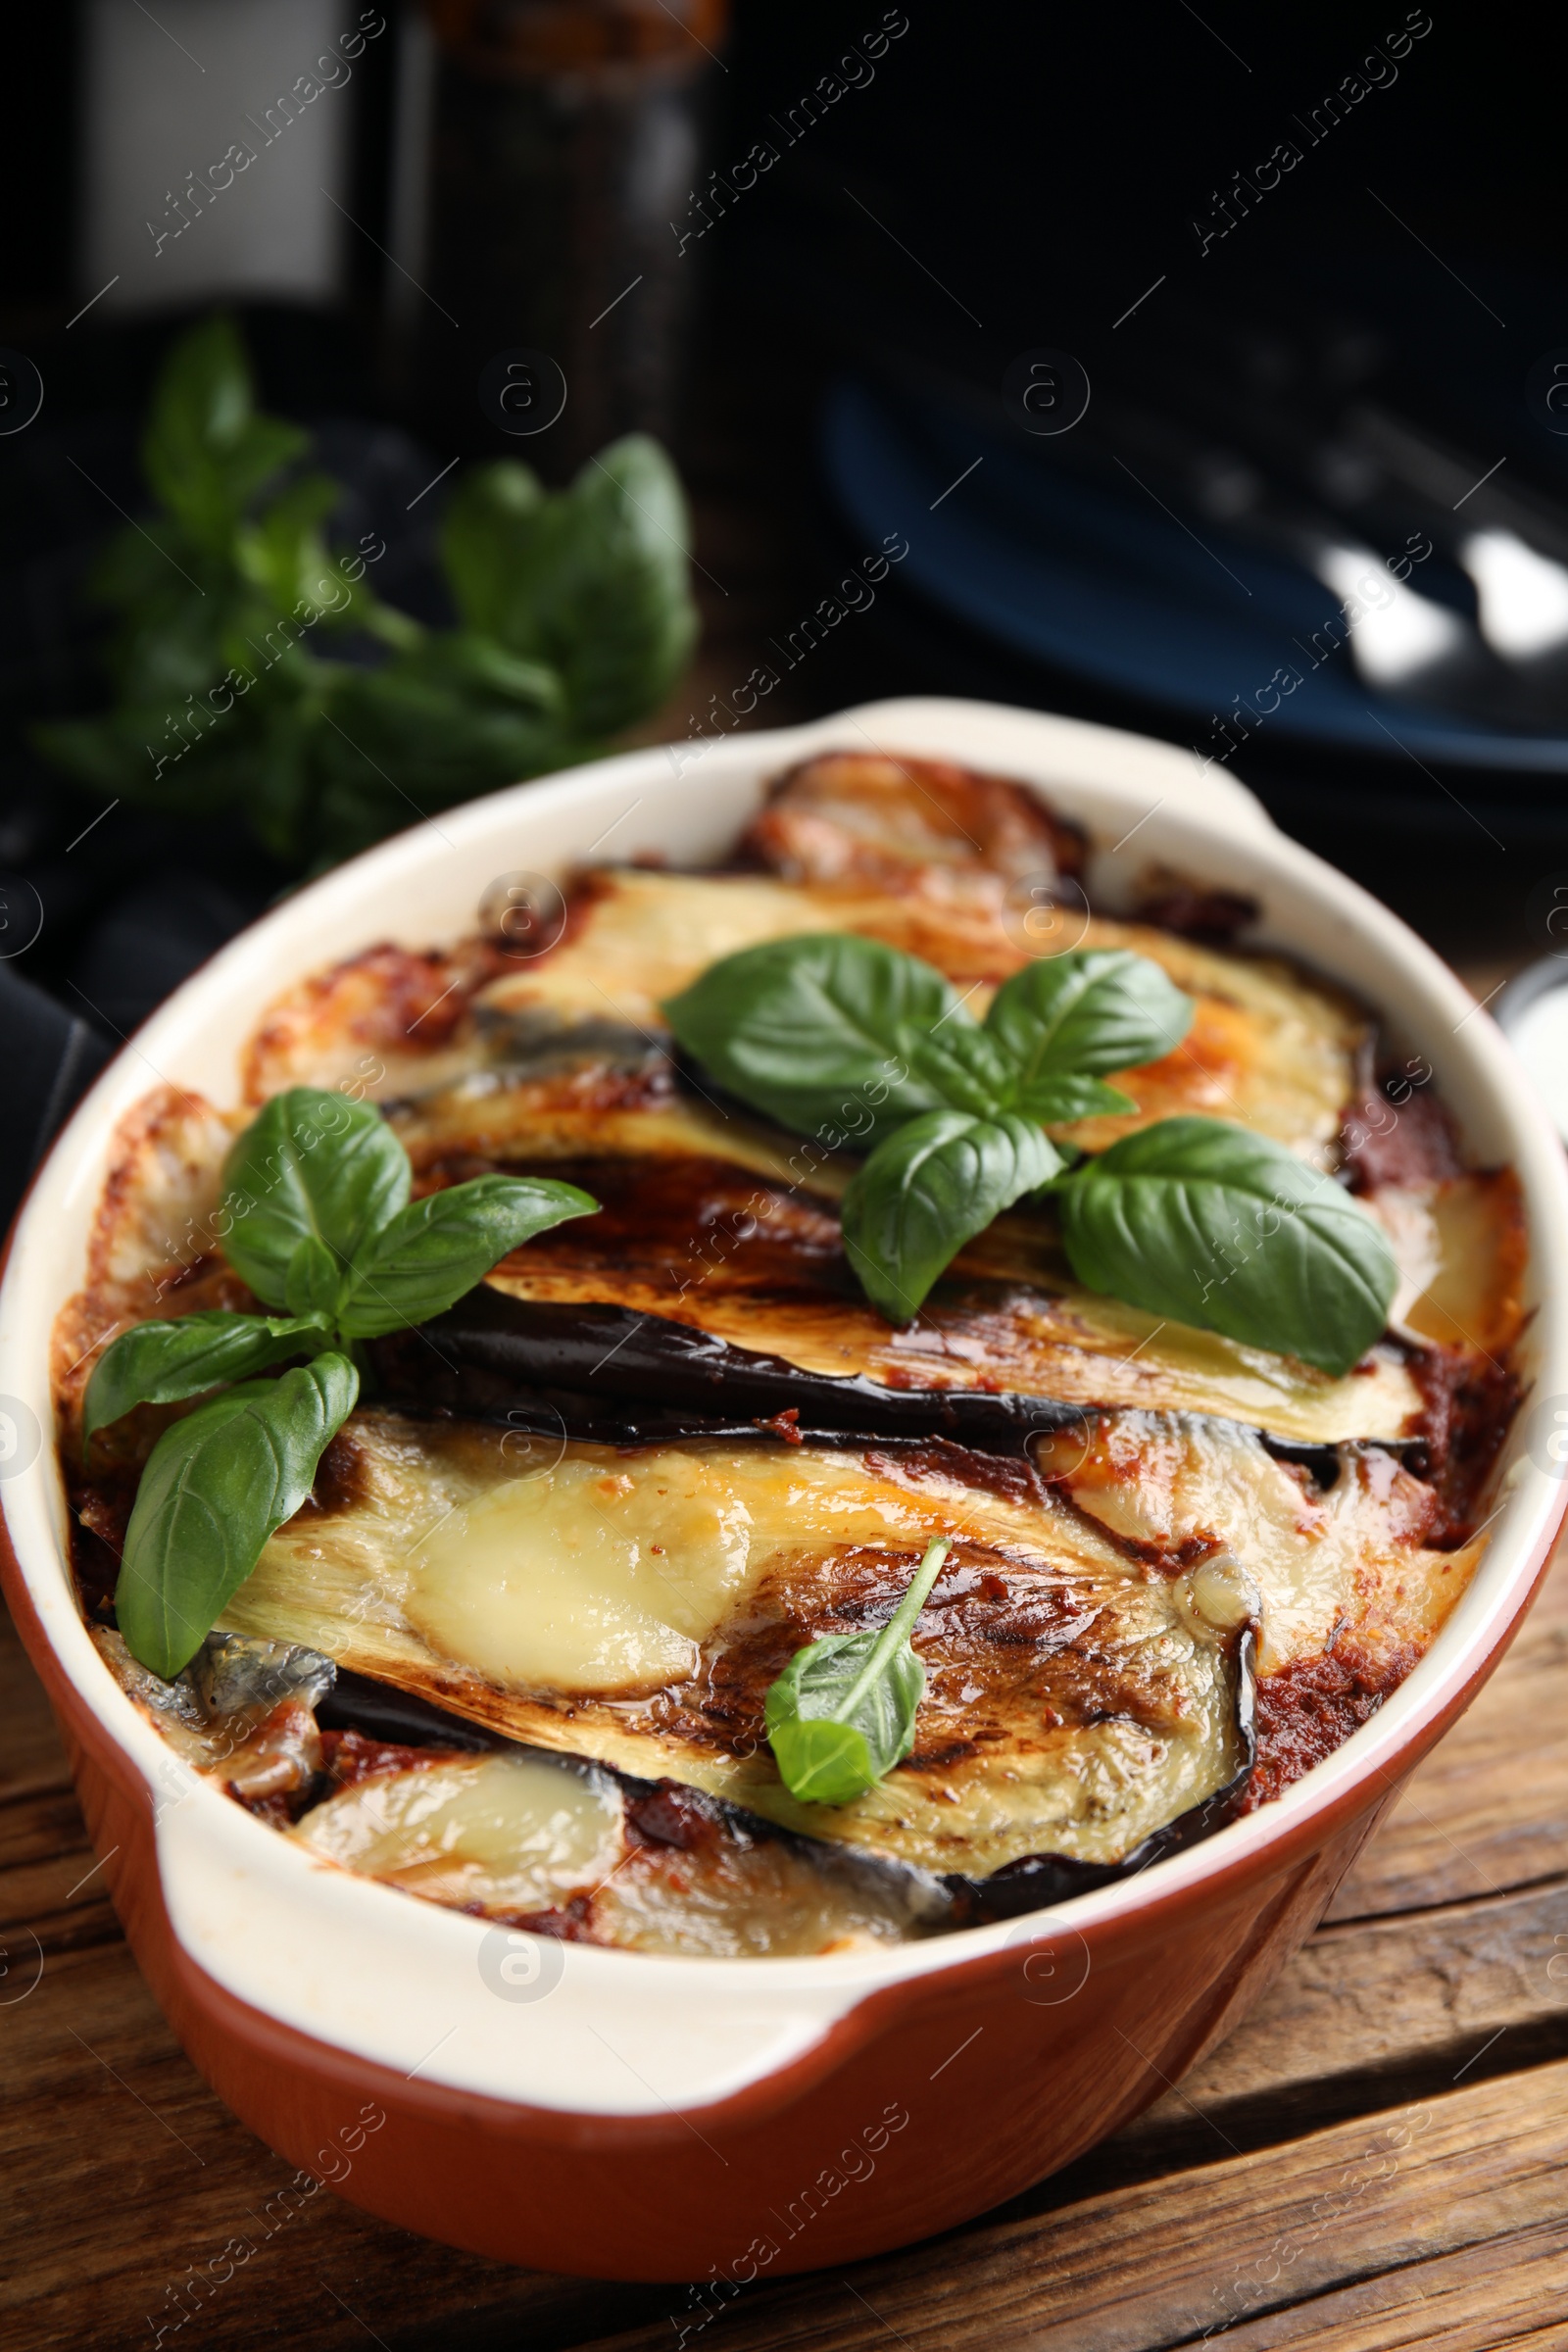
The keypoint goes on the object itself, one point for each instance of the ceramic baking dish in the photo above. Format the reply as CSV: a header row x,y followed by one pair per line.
x,y
637,2117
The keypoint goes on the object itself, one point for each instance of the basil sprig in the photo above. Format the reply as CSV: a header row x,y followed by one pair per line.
x,y
316,1218
843,1711
1195,1219
813,1029
240,647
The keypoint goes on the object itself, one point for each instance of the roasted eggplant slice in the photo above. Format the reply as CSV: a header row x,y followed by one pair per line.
x,y
906,824
1041,1880
1332,1557
607,1371
761,1290
581,1853
633,1607
242,1713
1266,1047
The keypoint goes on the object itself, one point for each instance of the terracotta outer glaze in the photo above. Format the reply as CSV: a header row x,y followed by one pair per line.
x,y
930,2097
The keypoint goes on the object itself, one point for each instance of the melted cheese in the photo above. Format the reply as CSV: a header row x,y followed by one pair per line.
x,y
518,1835
513,1833
1345,1558
1266,1047
585,1577
1079,1695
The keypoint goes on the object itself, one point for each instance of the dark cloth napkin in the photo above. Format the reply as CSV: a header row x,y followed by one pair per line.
x,y
48,1059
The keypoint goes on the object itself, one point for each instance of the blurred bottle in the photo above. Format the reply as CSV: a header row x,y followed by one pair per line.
x,y
544,147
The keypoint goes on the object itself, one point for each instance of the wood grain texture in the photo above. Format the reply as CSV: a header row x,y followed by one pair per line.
x,y
1488,2296
125,2180
1184,2259
121,2175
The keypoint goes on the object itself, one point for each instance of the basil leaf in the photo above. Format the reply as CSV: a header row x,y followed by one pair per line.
x,y
621,622
843,1711
492,550
813,1030
1058,1102
593,580
450,719
1087,1012
965,1067
206,451
314,1284
285,553
217,1486
314,1166
440,1247
929,1188
829,1763
157,1363
1210,1224
447,679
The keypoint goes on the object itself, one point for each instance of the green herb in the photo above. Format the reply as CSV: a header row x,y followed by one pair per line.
x,y
843,1036
593,583
438,1248
829,1026
218,1485
815,1029
574,608
843,1711
314,1167
1066,1020
1207,1223
317,1219
1195,1219
929,1188
158,1363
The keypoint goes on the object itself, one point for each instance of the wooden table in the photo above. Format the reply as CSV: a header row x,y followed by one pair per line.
x,y
1378,2157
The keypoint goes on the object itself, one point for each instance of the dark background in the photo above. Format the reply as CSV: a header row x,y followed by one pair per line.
x,y
1012,178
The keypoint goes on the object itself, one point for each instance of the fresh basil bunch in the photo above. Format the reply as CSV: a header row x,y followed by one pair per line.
x,y
318,1223
1195,1219
574,617
843,1711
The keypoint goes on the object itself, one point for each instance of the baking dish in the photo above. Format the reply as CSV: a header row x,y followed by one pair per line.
x,y
639,2117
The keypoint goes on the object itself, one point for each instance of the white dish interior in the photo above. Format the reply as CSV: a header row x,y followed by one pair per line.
x,y
399,1981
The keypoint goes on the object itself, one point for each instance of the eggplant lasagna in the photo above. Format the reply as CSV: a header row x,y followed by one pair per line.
x,y
513,1652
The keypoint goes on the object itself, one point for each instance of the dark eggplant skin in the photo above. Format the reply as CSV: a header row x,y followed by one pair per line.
x,y
603,1375
1036,1881
602,1372
356,1702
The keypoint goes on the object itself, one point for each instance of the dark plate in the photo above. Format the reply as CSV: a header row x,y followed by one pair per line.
x,y
1115,590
